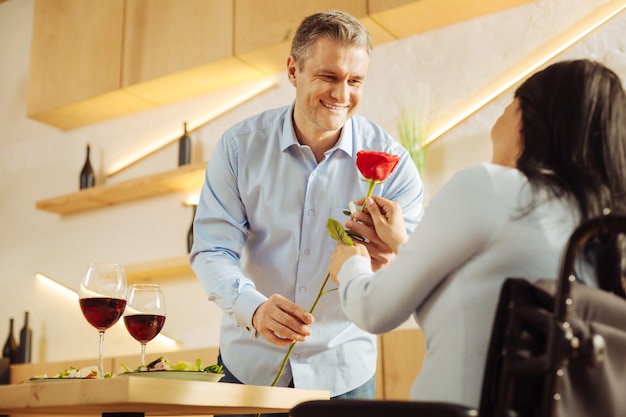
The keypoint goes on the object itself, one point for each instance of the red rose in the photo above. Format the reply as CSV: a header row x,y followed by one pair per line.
x,y
376,166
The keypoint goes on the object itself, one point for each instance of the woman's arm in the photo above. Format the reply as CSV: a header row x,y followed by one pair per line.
x,y
457,224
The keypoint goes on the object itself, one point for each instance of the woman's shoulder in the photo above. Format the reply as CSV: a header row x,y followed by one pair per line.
x,y
492,174
485,181
490,169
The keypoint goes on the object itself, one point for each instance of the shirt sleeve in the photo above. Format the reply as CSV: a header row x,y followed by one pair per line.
x,y
455,225
220,230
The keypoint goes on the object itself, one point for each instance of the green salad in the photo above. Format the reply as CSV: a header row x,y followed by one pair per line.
x,y
162,364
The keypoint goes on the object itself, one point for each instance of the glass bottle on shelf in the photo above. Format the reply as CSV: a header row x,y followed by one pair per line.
x,y
26,339
10,346
87,176
184,147
190,231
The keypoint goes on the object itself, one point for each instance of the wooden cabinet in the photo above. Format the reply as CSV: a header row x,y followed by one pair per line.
x,y
403,18
176,49
93,60
401,353
168,36
75,51
75,67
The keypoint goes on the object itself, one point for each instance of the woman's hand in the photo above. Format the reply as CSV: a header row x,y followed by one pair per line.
x,y
382,223
343,252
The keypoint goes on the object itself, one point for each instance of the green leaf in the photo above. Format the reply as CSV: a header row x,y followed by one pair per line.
x,y
337,232
216,369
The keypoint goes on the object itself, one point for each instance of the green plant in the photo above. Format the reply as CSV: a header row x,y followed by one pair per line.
x,y
411,135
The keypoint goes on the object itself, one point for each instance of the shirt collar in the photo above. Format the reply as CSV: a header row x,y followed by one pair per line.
x,y
289,138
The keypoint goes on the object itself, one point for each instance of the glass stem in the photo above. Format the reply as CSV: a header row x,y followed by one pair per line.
x,y
143,354
100,354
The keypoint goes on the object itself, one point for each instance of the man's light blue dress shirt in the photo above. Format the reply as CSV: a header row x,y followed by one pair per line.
x,y
260,229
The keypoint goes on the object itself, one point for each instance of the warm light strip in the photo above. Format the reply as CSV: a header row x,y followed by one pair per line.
x,y
51,283
159,144
162,338
193,200
526,67
55,285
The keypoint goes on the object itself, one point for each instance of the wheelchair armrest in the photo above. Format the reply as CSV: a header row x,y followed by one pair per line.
x,y
378,408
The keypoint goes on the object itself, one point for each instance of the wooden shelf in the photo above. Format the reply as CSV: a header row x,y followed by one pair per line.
x,y
186,177
159,270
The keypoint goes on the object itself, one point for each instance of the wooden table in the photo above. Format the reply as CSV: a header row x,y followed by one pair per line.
x,y
139,396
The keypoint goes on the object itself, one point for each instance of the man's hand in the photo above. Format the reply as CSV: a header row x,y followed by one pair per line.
x,y
282,322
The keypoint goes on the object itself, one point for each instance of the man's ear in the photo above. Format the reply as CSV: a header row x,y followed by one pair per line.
x,y
292,69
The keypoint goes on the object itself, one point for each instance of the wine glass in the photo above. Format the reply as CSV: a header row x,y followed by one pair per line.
x,y
102,298
145,315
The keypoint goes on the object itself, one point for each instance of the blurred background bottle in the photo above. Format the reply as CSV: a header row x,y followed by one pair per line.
x,y
26,339
87,176
184,147
190,231
10,346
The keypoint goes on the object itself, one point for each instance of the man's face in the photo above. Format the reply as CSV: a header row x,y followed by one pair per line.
x,y
328,87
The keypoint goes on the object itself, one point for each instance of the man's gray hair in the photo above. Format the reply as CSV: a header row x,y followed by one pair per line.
x,y
332,24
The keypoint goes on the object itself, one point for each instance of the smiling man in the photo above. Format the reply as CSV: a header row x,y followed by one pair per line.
x,y
261,248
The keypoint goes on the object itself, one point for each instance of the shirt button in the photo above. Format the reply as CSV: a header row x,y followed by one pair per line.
x,y
302,289
310,212
307,251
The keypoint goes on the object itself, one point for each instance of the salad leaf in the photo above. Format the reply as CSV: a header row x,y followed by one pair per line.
x,y
217,369
162,364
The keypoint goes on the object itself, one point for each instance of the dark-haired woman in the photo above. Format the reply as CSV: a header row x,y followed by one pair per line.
x,y
559,157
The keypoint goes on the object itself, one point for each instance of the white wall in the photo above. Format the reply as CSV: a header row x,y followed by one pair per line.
x,y
437,69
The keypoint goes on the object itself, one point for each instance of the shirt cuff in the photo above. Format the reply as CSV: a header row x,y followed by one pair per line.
x,y
353,267
245,306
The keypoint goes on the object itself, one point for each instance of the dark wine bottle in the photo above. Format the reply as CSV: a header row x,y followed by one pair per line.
x,y
184,147
10,346
26,339
87,177
190,232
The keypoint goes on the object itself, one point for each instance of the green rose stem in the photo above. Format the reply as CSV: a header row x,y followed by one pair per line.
x,y
284,363
369,191
337,232
288,354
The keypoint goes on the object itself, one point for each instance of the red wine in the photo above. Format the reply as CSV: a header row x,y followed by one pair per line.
x,y
102,313
144,327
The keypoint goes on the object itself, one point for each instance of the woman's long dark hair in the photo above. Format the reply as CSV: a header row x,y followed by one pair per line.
x,y
574,130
